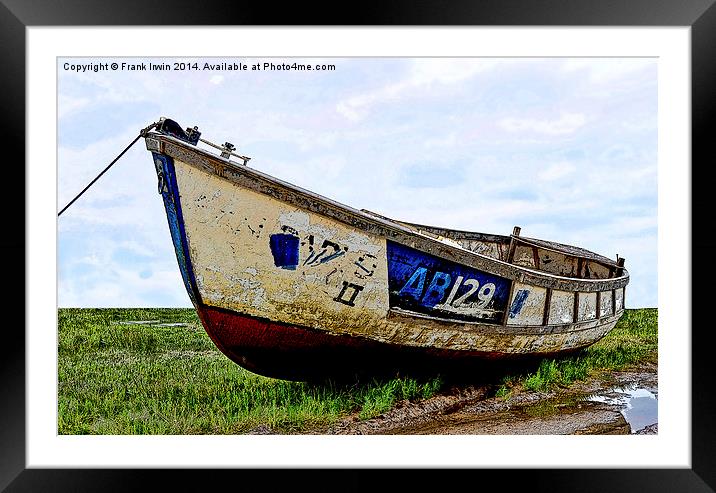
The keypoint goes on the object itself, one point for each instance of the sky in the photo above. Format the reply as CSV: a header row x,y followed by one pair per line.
x,y
565,148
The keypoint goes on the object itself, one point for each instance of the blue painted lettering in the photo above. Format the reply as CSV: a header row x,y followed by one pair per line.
x,y
422,283
520,298
436,291
410,289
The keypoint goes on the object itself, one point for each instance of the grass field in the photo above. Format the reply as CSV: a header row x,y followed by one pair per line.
x,y
167,377
633,340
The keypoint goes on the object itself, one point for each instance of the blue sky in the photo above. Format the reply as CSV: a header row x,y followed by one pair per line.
x,y
566,148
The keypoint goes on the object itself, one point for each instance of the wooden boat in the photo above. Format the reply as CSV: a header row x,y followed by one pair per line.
x,y
294,285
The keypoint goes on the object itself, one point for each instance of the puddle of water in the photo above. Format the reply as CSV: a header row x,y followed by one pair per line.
x,y
638,406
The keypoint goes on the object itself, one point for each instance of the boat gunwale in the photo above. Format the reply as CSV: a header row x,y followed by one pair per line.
x,y
461,234
299,197
553,246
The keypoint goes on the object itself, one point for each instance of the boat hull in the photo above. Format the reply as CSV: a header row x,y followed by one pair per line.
x,y
292,352
286,286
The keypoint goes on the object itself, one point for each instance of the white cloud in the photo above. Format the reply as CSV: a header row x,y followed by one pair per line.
x,y
356,107
556,171
567,123
423,75
113,286
66,105
112,87
607,70
427,71
324,168
437,142
105,277
640,126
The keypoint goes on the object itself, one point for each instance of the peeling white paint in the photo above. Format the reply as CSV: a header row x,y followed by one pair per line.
x,y
318,291
532,309
619,298
605,303
300,221
587,306
361,243
561,309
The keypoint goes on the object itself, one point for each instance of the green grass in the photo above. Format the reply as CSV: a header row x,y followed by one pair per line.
x,y
119,378
633,340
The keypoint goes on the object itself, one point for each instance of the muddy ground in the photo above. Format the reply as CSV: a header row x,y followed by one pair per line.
x,y
474,410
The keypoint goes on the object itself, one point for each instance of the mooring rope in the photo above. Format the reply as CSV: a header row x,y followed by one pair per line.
x,y
142,133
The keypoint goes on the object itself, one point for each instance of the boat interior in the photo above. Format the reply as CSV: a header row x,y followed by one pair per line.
x,y
532,253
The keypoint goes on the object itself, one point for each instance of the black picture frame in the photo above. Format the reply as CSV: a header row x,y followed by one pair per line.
x,y
700,15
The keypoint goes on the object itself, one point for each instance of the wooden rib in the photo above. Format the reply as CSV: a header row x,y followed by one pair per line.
x,y
576,307
547,303
509,304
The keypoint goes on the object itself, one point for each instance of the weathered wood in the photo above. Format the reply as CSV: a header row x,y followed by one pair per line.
x,y
599,302
509,303
614,301
576,306
511,250
547,302
620,266
285,261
